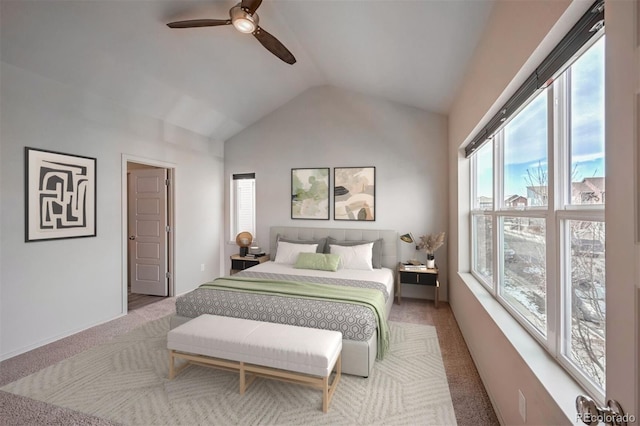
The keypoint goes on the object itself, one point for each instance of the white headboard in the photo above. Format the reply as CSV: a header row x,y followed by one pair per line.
x,y
389,238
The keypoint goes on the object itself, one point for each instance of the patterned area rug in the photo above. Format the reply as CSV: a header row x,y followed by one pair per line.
x,y
126,381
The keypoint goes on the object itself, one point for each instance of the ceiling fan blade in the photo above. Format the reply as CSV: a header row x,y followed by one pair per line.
x,y
192,23
274,46
251,5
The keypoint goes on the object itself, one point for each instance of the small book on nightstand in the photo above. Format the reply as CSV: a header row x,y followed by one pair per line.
x,y
412,267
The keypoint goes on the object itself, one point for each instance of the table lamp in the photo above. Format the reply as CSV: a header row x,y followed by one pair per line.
x,y
243,240
408,238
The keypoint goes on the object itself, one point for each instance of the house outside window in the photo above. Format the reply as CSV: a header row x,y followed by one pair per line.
x,y
588,191
540,249
516,201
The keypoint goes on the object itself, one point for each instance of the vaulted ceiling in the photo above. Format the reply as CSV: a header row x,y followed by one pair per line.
x,y
216,81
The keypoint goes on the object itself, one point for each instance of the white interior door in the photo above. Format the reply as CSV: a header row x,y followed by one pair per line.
x,y
148,232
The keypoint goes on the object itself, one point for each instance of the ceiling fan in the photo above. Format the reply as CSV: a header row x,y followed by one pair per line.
x,y
244,18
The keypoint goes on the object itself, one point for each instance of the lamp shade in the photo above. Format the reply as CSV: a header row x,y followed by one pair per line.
x,y
244,239
407,238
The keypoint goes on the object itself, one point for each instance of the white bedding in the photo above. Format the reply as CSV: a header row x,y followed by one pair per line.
x,y
382,275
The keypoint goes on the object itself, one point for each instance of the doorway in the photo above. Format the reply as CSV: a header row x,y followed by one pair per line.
x,y
148,232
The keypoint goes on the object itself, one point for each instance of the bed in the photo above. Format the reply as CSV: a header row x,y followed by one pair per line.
x,y
316,298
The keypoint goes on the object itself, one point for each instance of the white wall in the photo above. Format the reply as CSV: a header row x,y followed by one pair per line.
x,y
50,289
330,127
520,35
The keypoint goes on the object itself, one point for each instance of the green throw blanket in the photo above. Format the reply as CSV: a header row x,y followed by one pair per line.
x,y
360,296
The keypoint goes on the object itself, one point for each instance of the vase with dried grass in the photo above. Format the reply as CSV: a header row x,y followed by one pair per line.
x,y
429,244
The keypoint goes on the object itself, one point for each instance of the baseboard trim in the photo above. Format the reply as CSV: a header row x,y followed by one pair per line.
x,y
8,355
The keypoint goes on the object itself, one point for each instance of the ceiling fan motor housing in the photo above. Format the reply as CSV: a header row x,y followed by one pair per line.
x,y
242,20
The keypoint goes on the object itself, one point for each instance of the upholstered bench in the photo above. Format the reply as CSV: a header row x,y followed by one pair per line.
x,y
284,352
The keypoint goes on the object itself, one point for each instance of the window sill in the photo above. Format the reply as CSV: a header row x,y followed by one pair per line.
x,y
555,380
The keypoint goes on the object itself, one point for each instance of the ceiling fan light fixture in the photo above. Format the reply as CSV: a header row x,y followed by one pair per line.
x,y
244,25
243,21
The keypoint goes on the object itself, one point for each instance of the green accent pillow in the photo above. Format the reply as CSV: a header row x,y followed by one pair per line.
x,y
318,261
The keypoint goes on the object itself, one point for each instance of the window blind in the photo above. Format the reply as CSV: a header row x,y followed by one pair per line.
x,y
244,191
244,176
556,62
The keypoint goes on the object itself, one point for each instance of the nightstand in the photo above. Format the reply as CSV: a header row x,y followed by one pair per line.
x,y
239,263
419,277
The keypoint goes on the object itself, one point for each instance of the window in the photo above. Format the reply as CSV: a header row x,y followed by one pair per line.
x,y
482,226
483,247
525,138
483,184
584,334
523,265
586,81
537,218
243,204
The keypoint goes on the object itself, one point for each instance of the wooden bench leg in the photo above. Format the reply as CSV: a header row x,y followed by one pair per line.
x,y
328,390
173,371
243,385
171,366
325,394
245,381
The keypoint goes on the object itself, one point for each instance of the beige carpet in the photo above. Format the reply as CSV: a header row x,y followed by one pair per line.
x,y
126,381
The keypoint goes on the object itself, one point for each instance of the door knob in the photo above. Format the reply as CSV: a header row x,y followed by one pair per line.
x,y
591,414
587,410
132,237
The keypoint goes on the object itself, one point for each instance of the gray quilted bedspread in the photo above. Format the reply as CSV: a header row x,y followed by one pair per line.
x,y
356,322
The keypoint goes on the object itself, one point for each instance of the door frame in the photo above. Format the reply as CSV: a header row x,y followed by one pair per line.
x,y
171,266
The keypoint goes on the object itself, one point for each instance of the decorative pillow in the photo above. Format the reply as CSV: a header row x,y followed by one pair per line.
x,y
288,253
376,257
318,261
320,242
354,257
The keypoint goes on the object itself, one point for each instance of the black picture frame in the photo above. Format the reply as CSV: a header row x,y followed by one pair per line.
x,y
354,193
60,195
310,193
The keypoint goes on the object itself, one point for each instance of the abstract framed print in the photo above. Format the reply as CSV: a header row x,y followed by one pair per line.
x,y
354,193
60,195
310,193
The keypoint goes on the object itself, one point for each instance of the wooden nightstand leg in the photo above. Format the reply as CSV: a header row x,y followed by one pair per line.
x,y
398,288
437,292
